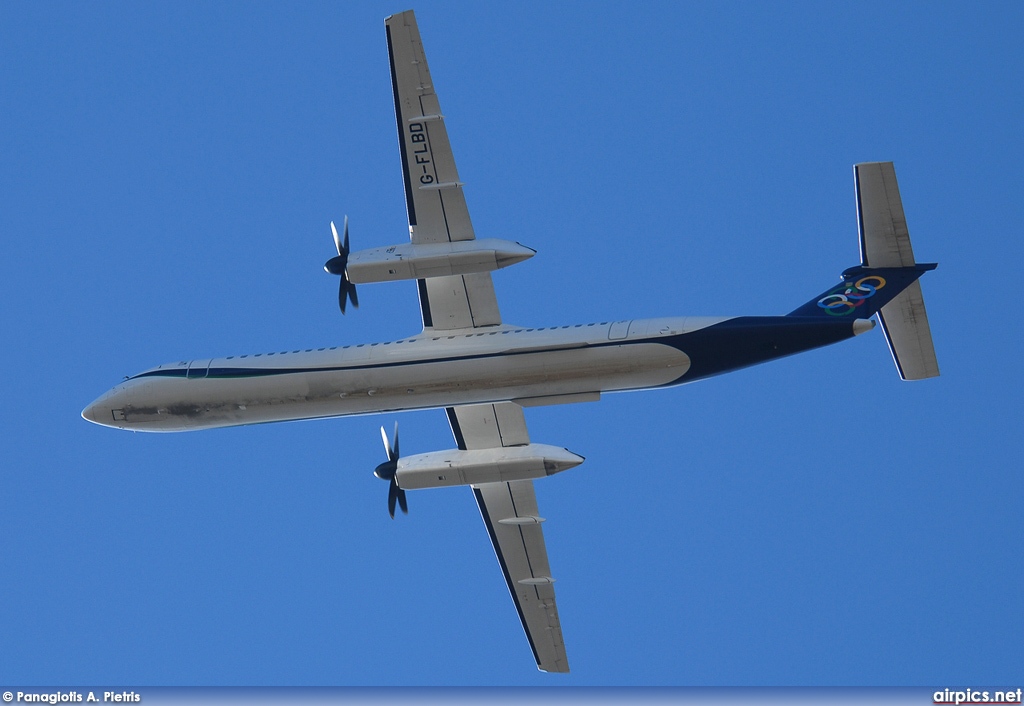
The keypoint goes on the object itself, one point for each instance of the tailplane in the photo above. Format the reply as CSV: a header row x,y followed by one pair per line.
x,y
886,281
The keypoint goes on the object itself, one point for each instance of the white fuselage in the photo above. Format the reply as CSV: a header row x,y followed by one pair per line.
x,y
432,369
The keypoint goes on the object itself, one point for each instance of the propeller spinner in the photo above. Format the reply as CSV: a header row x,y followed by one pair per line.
x,y
338,265
388,470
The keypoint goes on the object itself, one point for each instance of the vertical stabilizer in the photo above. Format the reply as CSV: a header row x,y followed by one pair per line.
x,y
885,242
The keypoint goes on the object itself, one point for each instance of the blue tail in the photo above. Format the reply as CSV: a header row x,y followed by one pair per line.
x,y
863,291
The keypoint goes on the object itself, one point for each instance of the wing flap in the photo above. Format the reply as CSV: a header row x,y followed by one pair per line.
x,y
460,301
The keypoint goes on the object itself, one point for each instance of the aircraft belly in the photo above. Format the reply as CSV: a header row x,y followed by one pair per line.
x,y
531,374
181,404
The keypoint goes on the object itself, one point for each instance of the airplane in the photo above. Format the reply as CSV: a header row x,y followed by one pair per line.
x,y
484,371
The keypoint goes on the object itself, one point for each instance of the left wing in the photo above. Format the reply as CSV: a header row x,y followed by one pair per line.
x,y
509,511
433,193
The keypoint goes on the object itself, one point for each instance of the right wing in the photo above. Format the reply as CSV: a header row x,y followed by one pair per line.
x,y
433,193
509,511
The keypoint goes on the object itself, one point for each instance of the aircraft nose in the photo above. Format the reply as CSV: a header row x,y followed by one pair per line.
x,y
98,413
101,411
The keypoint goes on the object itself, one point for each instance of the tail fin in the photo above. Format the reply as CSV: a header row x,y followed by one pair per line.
x,y
886,281
864,291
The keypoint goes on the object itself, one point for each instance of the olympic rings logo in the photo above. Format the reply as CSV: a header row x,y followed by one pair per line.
x,y
845,298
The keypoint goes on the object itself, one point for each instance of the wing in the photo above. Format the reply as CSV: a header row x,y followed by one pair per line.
x,y
509,511
433,193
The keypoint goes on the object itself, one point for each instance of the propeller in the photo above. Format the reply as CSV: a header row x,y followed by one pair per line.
x,y
337,266
388,470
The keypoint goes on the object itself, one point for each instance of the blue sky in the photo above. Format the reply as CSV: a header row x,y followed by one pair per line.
x,y
168,173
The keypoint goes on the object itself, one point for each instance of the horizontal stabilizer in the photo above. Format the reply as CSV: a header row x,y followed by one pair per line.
x,y
905,323
885,242
884,237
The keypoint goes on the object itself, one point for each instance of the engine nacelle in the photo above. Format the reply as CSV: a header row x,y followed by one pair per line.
x,y
420,261
439,469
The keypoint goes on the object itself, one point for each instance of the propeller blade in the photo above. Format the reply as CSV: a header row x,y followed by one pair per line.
x,y
337,240
389,471
347,293
339,266
387,444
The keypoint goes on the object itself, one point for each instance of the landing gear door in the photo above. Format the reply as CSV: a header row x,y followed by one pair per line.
x,y
198,369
